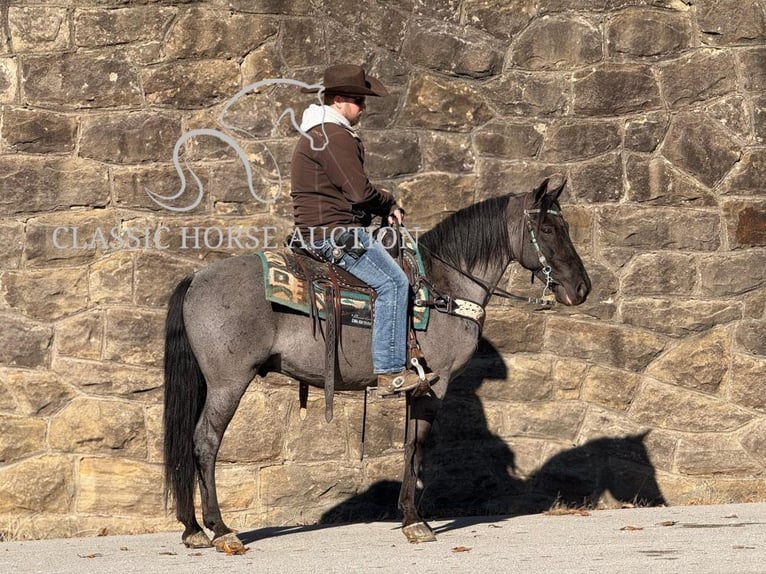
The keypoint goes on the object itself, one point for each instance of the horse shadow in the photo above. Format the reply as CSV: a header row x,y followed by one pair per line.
x,y
470,471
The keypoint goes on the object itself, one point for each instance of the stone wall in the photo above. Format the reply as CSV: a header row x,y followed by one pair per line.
x,y
654,110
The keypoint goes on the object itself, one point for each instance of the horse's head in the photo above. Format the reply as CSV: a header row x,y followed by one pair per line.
x,y
546,248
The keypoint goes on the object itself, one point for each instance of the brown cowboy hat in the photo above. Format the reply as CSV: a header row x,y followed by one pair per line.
x,y
349,80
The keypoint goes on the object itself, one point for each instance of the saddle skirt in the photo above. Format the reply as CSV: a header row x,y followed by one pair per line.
x,y
298,282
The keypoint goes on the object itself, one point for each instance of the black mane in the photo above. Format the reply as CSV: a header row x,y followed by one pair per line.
x,y
471,237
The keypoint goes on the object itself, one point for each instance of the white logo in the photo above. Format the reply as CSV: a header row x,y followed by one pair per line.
x,y
162,200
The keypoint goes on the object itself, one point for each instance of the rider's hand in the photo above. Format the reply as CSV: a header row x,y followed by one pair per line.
x,y
397,215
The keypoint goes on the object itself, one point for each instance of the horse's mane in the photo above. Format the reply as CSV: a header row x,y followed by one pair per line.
x,y
472,236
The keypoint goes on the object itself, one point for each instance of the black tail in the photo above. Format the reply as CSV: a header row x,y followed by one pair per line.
x,y
185,392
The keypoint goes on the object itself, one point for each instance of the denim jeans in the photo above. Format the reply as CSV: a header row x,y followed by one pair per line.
x,y
379,270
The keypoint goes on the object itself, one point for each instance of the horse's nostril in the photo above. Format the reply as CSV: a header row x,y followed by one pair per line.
x,y
582,290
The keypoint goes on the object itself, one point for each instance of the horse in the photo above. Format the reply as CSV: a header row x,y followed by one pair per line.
x,y
221,332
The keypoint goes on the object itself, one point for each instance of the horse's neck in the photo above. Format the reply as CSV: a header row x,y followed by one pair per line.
x,y
473,286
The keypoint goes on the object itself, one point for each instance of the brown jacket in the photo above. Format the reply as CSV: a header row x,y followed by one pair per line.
x,y
330,187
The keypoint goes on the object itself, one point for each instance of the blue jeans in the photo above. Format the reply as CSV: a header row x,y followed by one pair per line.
x,y
379,270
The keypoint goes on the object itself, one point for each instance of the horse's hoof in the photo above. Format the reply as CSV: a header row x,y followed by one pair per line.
x,y
197,540
230,544
418,532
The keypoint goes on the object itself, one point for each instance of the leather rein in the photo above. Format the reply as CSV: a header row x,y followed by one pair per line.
x,y
463,308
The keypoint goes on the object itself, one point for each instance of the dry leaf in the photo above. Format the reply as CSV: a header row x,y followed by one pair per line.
x,y
668,523
566,512
631,528
167,553
124,548
731,516
461,549
234,549
103,532
740,547
94,555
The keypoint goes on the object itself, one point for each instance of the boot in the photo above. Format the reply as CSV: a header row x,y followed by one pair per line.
x,y
403,381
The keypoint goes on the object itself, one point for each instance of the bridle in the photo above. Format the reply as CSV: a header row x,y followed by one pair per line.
x,y
452,306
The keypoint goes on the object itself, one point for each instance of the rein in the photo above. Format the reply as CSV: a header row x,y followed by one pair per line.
x,y
452,306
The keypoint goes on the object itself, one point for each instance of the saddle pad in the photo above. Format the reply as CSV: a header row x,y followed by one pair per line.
x,y
284,287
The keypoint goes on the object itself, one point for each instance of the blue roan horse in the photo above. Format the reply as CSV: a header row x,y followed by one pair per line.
x,y
222,332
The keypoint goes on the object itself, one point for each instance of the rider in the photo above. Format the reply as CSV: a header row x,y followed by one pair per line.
x,y
333,202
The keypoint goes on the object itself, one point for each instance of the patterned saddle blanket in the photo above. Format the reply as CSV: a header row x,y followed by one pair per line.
x,y
293,280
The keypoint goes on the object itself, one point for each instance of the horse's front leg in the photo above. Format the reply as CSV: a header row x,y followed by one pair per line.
x,y
422,411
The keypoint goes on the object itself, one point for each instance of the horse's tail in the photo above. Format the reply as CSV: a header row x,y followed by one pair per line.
x,y
185,392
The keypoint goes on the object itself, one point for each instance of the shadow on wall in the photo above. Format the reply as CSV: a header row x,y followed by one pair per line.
x,y
470,471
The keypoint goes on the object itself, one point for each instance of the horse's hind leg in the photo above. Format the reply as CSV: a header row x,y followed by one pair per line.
x,y
219,408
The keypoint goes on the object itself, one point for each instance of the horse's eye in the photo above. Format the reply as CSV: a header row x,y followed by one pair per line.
x,y
547,229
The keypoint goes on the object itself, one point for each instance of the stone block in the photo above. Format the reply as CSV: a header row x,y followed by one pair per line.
x,y
390,153
11,243
678,317
525,378
669,407
557,43
21,437
237,486
753,440
609,345
80,336
458,50
35,392
655,181
156,275
745,223
437,103
24,343
40,485
714,455
302,42
750,335
106,27
39,131
611,388
752,69
734,113
446,193
574,140
110,279
300,493
499,18
527,94
9,85
378,24
730,23
259,428
202,33
646,132
732,274
38,29
746,386
129,138
135,337
80,80
450,152
598,180
189,84
50,184
126,487
512,330
508,139
384,429
703,75
700,362
132,184
759,118
648,33
648,274
659,228
68,238
497,177
611,90
748,174
99,426
104,379
46,295
558,420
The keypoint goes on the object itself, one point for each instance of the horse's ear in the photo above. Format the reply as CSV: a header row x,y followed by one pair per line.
x,y
541,190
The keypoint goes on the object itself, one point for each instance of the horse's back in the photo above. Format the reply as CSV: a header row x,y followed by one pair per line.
x,y
230,323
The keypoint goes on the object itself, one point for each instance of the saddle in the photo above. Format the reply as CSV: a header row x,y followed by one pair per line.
x,y
296,278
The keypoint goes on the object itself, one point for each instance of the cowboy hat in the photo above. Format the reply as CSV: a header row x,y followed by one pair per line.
x,y
349,80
